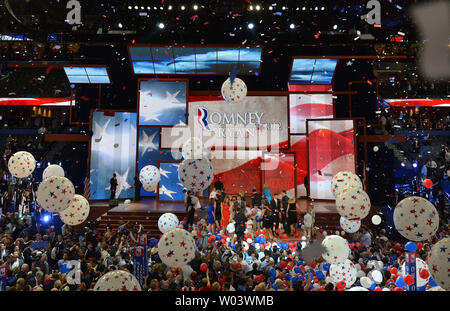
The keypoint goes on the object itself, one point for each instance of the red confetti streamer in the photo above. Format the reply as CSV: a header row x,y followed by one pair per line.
x,y
194,16
270,52
205,23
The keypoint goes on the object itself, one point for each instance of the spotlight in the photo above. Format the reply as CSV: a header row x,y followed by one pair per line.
x,y
316,8
120,25
403,164
414,164
149,8
130,7
195,7
136,7
335,27
251,8
250,26
292,26
283,8
142,8
46,218
304,8
183,7
258,8
161,25
270,8
170,7
323,8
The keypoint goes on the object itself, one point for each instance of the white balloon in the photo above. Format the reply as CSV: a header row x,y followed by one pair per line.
x,y
176,248
385,289
376,220
350,226
337,249
234,93
21,164
329,280
345,271
343,180
167,222
366,282
52,170
196,175
377,276
416,219
249,241
420,264
230,228
353,203
439,263
150,177
77,212
357,289
360,273
192,149
55,194
117,280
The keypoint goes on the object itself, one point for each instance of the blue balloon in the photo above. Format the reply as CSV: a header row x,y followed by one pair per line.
x,y
272,272
284,246
411,246
274,287
272,279
262,240
432,282
301,277
297,270
294,280
320,275
257,239
326,266
400,282
288,277
372,287
153,242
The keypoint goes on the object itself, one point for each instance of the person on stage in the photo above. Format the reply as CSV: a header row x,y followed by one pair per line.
x,y
284,208
137,188
226,206
113,183
267,217
218,185
292,215
275,205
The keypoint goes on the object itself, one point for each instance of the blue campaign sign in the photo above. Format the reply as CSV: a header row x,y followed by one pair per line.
x,y
140,260
410,268
3,279
41,244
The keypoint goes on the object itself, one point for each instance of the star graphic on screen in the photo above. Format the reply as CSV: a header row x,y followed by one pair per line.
x,y
172,98
164,191
122,183
99,131
147,143
164,173
149,117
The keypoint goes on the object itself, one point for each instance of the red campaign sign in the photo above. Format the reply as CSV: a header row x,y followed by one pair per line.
x,y
138,251
143,240
410,257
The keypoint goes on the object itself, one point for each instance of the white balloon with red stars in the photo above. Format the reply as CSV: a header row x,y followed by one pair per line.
x,y
55,194
350,226
345,271
439,263
52,170
196,175
150,177
353,203
343,180
176,248
337,249
117,281
167,222
234,93
416,218
420,264
21,164
192,149
77,212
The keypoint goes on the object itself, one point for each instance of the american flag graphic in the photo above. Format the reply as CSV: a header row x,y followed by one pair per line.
x,y
87,188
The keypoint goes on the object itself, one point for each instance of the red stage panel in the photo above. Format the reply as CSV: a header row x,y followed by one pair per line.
x,y
308,106
331,149
298,145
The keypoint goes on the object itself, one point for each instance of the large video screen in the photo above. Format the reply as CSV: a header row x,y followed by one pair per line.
x,y
113,150
149,153
312,71
308,106
331,149
258,122
170,187
162,103
298,145
195,60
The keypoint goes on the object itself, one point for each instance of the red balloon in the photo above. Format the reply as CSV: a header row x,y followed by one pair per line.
x,y
313,264
398,289
277,230
340,285
409,280
290,265
282,264
238,265
284,236
424,273
377,289
280,275
419,245
394,270
297,234
428,183
398,247
203,267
